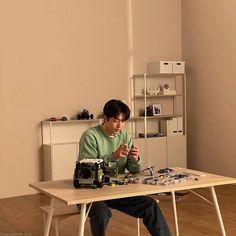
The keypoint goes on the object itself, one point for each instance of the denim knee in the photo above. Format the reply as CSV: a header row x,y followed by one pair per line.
x,y
99,218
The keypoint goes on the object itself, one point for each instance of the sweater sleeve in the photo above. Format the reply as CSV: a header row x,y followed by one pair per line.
x,y
87,147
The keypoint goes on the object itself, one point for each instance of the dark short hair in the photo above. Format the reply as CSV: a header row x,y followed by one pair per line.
x,y
114,107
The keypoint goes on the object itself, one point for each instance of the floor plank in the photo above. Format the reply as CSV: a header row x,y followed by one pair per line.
x,y
21,216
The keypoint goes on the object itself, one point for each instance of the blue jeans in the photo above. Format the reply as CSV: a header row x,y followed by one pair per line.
x,y
139,207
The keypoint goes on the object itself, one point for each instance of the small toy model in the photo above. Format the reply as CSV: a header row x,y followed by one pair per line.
x,y
84,115
151,170
165,170
166,176
112,168
132,178
63,118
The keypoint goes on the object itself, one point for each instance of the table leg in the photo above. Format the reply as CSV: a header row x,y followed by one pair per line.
x,y
199,195
175,213
213,193
49,217
82,219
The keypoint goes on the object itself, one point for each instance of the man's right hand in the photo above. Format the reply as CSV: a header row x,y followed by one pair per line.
x,y
121,151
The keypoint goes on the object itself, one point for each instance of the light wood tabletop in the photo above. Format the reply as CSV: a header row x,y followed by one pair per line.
x,y
64,191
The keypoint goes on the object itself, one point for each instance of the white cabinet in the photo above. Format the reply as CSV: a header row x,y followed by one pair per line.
x,y
59,160
176,151
156,152
61,146
158,118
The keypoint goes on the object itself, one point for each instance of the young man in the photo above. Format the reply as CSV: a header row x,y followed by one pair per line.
x,y
110,142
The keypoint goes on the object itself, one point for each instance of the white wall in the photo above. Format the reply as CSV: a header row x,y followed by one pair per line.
x,y
58,57
209,47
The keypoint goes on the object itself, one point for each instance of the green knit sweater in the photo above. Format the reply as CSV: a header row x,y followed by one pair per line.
x,y
95,144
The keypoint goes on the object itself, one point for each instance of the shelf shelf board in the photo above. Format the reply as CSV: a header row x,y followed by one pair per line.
x,y
71,121
159,95
157,75
62,143
165,75
159,117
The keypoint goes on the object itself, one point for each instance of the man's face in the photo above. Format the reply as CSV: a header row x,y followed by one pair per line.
x,y
114,124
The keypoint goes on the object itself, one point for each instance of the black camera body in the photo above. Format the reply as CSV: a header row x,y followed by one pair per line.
x,y
89,172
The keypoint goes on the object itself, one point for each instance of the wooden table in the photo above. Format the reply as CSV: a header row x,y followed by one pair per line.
x,y
64,191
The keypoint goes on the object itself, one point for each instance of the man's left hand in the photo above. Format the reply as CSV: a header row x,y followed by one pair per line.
x,y
134,152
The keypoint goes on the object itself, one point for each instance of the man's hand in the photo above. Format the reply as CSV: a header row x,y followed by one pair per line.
x,y
124,151
134,152
121,151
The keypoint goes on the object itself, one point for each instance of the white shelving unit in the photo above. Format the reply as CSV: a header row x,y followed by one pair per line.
x,y
161,137
60,141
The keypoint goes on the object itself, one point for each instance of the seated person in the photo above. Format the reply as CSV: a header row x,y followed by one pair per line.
x,y
110,142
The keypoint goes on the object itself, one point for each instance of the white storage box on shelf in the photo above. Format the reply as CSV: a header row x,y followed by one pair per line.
x,y
172,127
162,67
178,67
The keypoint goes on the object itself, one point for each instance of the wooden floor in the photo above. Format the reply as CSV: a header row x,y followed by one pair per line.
x,y
21,216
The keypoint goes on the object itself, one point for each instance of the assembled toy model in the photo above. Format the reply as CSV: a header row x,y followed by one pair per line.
x,y
89,172
84,115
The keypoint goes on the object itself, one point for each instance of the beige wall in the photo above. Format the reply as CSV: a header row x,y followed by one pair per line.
x,y
58,57
209,47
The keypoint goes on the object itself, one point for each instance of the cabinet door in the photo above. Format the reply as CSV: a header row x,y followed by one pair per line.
x,y
63,158
156,152
176,151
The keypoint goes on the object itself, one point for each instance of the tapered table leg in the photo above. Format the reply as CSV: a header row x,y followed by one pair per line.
x,y
49,217
213,194
175,213
82,219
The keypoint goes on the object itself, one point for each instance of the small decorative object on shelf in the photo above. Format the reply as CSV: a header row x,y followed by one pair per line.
x,y
152,110
157,109
149,111
150,135
153,91
167,90
84,115
63,118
